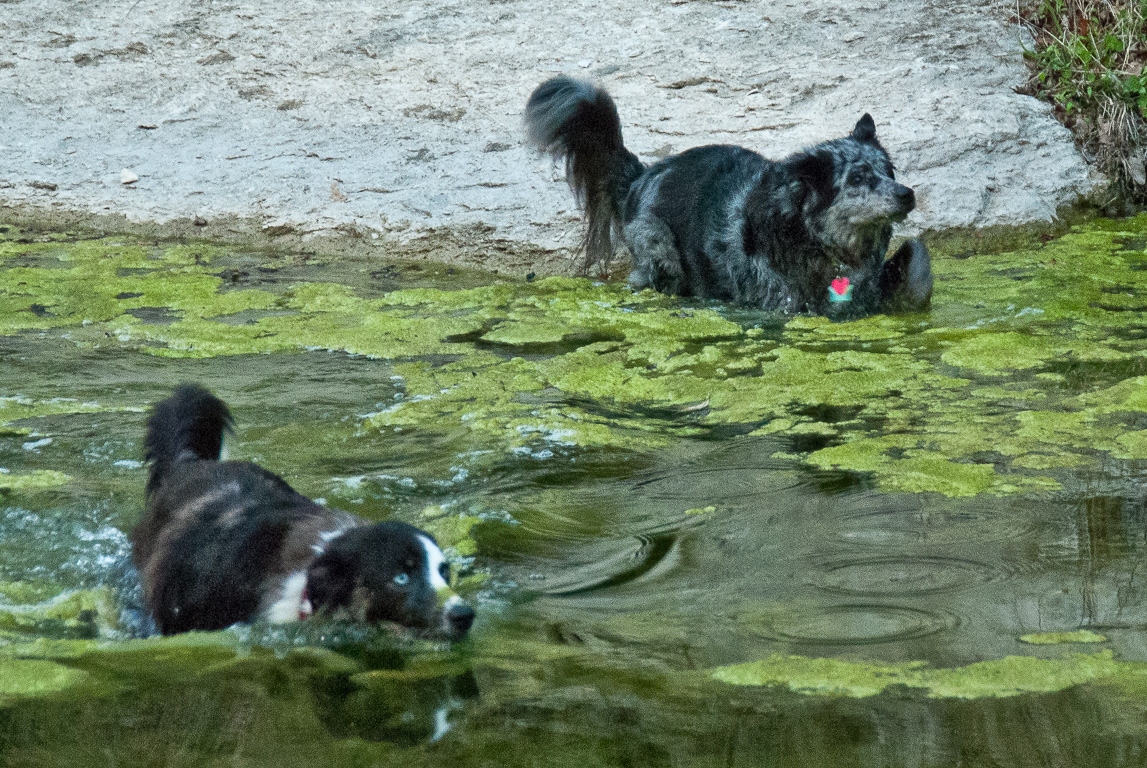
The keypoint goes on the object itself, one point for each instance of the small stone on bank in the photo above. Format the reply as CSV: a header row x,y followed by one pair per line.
x,y
127,177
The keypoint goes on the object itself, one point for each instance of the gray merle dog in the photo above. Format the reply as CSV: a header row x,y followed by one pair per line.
x,y
806,234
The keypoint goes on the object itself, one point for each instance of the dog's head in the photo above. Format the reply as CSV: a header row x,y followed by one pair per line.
x,y
852,195
389,572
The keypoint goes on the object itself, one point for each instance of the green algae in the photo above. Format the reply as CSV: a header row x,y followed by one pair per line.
x,y
24,678
39,479
20,645
1132,445
98,281
14,408
329,648
1049,461
1015,675
76,613
996,353
563,365
936,473
501,405
701,510
1058,638
24,591
454,533
815,676
997,678
1129,395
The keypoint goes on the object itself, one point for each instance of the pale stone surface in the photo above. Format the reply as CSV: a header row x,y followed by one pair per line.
x,y
398,120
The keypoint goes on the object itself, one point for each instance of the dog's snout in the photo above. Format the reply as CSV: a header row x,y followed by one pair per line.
x,y
906,198
459,618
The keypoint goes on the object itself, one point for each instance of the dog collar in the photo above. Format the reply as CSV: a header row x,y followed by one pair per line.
x,y
840,290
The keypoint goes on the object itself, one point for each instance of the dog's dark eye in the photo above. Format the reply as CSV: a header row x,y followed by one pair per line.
x,y
444,572
402,579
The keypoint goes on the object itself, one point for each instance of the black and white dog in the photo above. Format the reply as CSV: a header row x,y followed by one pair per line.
x,y
806,234
227,541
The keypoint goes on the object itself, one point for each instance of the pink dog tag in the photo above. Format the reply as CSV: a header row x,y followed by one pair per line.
x,y
840,290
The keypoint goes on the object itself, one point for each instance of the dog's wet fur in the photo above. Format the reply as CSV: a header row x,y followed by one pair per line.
x,y
223,542
723,222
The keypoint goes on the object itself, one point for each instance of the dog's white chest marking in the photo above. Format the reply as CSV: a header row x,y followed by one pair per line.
x,y
293,604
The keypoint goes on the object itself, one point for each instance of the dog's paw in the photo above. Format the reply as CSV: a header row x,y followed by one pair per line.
x,y
906,279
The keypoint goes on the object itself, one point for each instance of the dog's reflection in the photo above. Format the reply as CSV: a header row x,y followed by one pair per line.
x,y
383,706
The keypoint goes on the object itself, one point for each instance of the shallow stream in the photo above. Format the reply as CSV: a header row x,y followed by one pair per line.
x,y
695,535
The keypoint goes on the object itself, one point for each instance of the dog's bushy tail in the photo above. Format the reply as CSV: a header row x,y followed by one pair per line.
x,y
188,425
577,122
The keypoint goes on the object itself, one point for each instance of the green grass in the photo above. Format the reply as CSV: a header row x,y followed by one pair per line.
x,y
1088,60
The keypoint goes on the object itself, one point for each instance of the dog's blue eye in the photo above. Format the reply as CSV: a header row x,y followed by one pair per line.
x,y
402,579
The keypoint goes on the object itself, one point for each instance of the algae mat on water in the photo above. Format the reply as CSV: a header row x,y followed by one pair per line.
x,y
1009,676
1030,364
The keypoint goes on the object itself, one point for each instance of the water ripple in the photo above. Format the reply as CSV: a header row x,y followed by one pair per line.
x,y
861,624
718,484
969,521
903,575
637,557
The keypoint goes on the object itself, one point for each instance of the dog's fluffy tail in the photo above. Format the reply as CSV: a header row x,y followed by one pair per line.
x,y
188,425
576,121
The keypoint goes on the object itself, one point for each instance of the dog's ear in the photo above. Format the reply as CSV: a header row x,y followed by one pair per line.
x,y
330,580
815,172
865,129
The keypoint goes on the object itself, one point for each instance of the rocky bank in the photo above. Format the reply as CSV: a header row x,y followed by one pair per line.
x,y
395,128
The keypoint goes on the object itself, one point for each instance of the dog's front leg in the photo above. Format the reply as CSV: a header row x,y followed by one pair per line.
x,y
906,279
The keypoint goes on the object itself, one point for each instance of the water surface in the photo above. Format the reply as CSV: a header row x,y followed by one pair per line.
x,y
695,535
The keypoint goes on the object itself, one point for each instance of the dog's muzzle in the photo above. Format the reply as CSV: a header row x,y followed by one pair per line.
x,y
457,618
905,200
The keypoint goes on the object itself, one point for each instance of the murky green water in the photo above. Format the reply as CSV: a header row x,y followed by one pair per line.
x,y
696,536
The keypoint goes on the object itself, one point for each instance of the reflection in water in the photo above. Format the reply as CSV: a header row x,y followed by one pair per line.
x,y
250,710
1109,548
1111,528
392,708
514,709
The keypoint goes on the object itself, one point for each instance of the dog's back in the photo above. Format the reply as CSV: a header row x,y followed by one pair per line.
x,y
216,536
686,207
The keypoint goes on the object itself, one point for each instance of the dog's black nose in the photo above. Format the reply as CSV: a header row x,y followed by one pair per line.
x,y
906,198
460,617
